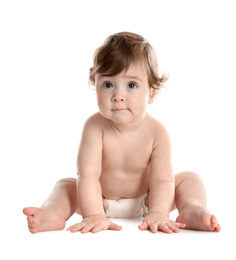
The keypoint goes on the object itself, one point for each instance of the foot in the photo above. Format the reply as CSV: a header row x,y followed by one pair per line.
x,y
198,218
40,219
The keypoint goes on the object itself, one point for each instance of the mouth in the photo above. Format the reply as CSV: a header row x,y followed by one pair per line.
x,y
119,109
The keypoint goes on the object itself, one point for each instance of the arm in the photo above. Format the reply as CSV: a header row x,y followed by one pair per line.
x,y
89,167
162,187
89,170
162,184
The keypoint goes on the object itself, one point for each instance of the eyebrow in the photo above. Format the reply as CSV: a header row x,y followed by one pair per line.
x,y
135,77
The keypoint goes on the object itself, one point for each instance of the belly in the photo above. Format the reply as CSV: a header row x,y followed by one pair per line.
x,y
118,184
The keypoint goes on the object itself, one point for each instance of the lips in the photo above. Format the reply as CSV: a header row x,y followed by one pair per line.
x,y
119,109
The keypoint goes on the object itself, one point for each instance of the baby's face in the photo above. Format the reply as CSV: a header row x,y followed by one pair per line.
x,y
123,98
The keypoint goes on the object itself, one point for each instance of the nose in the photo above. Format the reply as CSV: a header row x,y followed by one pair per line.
x,y
118,98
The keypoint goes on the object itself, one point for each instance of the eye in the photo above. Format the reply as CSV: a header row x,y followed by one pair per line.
x,y
132,85
107,85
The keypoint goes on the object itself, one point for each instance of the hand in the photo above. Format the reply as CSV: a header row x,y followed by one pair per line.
x,y
158,221
94,224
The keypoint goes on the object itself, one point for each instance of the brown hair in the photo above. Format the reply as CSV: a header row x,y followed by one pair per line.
x,y
120,50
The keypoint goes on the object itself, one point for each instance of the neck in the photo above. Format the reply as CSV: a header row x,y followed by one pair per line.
x,y
130,127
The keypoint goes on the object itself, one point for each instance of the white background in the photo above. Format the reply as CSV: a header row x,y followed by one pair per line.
x,y
46,50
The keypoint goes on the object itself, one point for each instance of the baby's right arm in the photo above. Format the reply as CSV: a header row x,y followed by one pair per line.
x,y
89,190
89,169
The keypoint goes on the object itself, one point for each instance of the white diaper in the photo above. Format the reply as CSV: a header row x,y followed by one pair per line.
x,y
126,208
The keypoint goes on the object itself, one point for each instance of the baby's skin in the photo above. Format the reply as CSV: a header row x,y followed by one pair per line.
x,y
195,217
124,153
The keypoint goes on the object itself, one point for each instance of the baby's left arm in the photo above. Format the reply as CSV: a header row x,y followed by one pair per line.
x,y
162,187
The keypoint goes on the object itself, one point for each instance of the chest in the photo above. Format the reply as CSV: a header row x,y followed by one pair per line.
x,y
127,152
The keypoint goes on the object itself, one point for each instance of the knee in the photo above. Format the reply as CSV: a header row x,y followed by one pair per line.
x,y
188,175
67,181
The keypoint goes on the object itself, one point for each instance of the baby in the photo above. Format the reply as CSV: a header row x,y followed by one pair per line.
x,y
124,159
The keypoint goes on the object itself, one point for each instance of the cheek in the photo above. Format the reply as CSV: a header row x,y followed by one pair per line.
x,y
102,101
140,102
144,98
145,102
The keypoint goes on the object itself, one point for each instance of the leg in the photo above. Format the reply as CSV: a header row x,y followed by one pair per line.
x,y
59,206
190,200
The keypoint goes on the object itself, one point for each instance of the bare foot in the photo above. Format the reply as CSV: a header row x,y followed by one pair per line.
x,y
198,218
43,220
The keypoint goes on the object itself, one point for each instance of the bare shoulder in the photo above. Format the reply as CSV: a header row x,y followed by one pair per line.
x,y
93,130
96,122
158,130
90,150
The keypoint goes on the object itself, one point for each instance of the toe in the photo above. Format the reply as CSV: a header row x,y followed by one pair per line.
x,y
218,228
32,225
214,220
29,211
30,220
33,230
215,224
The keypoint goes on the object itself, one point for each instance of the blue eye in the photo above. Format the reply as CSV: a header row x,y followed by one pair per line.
x,y
131,85
107,85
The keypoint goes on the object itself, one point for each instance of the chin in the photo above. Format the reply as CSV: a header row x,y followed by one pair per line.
x,y
120,121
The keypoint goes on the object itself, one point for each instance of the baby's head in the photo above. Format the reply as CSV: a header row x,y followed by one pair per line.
x,y
121,50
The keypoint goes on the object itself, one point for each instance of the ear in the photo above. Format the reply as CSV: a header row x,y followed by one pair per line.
x,y
152,94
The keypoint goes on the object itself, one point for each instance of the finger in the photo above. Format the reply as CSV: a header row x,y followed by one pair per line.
x,y
70,228
97,229
178,224
153,228
114,226
172,227
143,226
76,227
164,228
87,229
